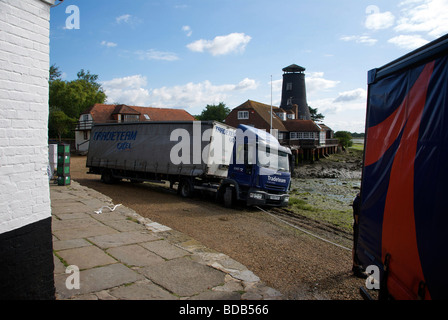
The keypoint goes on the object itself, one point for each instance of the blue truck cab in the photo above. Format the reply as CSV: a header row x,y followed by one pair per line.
x,y
259,172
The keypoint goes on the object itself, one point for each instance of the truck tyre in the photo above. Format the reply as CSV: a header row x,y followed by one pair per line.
x,y
186,189
228,197
107,177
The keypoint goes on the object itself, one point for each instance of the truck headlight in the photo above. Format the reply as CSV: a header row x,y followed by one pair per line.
x,y
286,199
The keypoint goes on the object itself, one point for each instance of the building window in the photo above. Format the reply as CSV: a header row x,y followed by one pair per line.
x,y
131,117
146,117
86,135
291,116
243,115
303,135
289,86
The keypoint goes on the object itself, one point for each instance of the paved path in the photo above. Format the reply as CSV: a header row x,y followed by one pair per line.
x,y
121,255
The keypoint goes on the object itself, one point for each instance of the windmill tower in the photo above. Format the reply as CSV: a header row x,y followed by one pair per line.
x,y
294,91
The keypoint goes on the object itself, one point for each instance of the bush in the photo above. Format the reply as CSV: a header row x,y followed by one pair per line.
x,y
345,138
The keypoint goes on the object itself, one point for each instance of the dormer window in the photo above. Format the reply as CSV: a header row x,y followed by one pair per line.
x,y
243,115
282,115
289,86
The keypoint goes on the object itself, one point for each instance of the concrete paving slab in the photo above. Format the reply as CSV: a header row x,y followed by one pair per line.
x,y
70,208
106,216
69,244
183,276
165,249
91,231
59,267
122,238
80,223
135,255
69,216
86,257
96,279
142,290
124,225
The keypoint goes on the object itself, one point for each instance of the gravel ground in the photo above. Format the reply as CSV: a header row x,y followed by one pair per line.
x,y
298,265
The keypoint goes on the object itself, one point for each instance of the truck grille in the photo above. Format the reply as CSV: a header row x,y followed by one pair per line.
x,y
274,187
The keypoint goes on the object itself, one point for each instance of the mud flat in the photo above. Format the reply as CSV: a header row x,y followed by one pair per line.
x,y
325,189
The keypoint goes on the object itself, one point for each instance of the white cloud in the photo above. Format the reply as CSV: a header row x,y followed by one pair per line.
x,y
220,45
246,84
129,90
133,82
427,16
152,54
351,95
360,39
132,90
408,42
108,44
377,20
123,18
346,112
187,30
315,82
198,94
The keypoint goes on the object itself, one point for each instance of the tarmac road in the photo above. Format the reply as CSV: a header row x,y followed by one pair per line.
x,y
292,262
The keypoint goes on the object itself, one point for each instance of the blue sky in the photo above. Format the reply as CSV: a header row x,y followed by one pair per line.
x,y
190,53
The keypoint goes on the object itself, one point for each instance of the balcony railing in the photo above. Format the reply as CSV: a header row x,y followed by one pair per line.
x,y
84,125
310,143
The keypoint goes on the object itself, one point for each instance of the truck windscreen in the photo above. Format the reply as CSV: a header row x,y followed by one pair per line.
x,y
276,160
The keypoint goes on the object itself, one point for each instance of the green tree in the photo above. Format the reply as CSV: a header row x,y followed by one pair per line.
x,y
71,98
316,116
344,137
60,124
54,72
214,112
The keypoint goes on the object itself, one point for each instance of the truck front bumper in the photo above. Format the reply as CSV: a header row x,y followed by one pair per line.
x,y
261,198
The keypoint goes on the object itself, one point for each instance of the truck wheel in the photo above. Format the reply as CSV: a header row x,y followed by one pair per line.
x,y
107,177
186,189
228,197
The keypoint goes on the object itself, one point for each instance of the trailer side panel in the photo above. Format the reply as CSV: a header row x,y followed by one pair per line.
x,y
404,183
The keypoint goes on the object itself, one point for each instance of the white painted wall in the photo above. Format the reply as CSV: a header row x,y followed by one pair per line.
x,y
24,65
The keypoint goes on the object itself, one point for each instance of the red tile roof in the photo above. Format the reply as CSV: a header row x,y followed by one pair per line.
x,y
301,126
102,113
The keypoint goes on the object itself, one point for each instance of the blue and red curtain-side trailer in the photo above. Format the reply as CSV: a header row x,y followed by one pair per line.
x,y
403,225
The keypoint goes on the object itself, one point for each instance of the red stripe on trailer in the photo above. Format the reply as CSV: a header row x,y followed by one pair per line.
x,y
399,233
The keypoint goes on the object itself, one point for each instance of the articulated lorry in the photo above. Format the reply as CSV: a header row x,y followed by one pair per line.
x,y
403,222
234,164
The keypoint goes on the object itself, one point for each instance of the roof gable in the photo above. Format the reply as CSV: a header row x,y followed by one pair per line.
x,y
264,111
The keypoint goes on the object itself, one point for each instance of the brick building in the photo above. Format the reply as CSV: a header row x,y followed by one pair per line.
x,y
306,138
26,250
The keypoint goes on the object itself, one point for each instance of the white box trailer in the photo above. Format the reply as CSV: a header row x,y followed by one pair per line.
x,y
160,150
